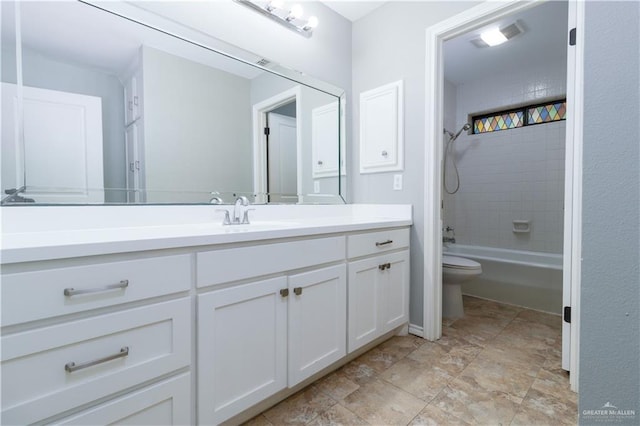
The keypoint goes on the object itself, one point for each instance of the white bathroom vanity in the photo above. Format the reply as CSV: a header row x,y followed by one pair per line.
x,y
162,315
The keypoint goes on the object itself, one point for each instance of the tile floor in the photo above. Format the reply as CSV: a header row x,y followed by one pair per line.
x,y
499,365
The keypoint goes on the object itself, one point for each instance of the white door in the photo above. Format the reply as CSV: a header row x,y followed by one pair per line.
x,y
282,159
61,159
242,348
317,321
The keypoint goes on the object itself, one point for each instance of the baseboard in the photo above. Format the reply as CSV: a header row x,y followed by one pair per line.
x,y
416,330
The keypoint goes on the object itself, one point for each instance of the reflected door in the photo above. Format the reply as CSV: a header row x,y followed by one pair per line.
x,y
61,157
282,158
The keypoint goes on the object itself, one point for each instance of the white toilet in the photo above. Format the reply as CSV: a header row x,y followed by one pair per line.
x,y
455,271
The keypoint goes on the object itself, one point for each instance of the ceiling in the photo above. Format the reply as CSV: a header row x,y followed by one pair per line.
x,y
353,10
543,41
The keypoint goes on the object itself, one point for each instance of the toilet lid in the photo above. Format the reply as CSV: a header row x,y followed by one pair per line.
x,y
459,262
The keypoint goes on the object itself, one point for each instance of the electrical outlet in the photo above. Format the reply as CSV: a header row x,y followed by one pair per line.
x,y
316,186
397,182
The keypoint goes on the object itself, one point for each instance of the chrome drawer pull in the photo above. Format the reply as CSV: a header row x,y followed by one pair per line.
x,y
384,243
72,366
73,292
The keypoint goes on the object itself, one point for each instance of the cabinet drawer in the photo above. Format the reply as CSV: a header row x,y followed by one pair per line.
x,y
165,403
54,369
29,296
377,242
220,266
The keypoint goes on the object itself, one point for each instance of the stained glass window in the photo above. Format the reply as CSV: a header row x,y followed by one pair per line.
x,y
545,113
492,123
519,117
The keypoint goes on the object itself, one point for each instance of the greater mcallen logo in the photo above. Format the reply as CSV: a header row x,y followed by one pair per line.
x,y
608,412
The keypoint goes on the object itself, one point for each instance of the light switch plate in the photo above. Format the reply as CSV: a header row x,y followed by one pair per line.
x,y
397,182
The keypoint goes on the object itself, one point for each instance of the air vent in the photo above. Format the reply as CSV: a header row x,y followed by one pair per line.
x,y
263,62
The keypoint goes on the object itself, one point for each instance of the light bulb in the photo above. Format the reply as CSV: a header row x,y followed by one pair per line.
x,y
311,23
275,4
295,13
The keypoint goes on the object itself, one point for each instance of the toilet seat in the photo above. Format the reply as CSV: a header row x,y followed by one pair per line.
x,y
454,262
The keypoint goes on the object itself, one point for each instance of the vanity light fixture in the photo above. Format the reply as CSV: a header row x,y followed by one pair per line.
x,y
291,18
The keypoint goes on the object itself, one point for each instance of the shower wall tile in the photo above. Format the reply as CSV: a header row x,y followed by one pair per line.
x,y
512,174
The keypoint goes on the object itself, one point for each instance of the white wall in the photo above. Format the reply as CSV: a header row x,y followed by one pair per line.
x,y
389,45
197,129
515,174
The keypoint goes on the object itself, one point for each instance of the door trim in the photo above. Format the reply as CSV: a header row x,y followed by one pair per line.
x,y
259,114
435,36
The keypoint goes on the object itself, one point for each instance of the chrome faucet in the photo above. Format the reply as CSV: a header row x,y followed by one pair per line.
x,y
240,212
239,209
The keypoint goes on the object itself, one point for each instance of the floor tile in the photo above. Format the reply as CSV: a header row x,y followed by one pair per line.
x,y
433,416
337,415
540,317
539,408
380,403
420,380
300,408
490,375
475,405
359,372
337,385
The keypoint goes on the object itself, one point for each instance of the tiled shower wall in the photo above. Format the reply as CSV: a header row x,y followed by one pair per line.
x,y
515,174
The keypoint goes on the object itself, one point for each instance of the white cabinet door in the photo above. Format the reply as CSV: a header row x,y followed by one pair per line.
x,y
395,291
317,321
378,297
242,342
364,293
325,140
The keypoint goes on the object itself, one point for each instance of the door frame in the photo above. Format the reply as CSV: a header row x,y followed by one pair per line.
x,y
435,36
259,114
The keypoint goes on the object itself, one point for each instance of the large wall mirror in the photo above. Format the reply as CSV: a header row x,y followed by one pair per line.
x,y
98,108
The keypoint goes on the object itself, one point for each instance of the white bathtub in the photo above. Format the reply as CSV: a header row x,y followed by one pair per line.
x,y
523,278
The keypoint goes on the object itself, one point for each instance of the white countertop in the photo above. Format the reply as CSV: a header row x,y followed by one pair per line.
x,y
43,233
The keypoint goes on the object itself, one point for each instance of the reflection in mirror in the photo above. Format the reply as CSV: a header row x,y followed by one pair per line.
x,y
99,109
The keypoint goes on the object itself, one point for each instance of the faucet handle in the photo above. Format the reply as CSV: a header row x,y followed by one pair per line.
x,y
227,220
245,217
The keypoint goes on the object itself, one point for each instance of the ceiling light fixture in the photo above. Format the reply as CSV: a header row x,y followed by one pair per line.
x,y
291,19
495,36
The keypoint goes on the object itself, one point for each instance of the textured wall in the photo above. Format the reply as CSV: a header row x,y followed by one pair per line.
x,y
610,324
516,174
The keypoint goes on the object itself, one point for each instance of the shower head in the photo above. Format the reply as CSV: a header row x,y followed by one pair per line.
x,y
453,137
466,127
